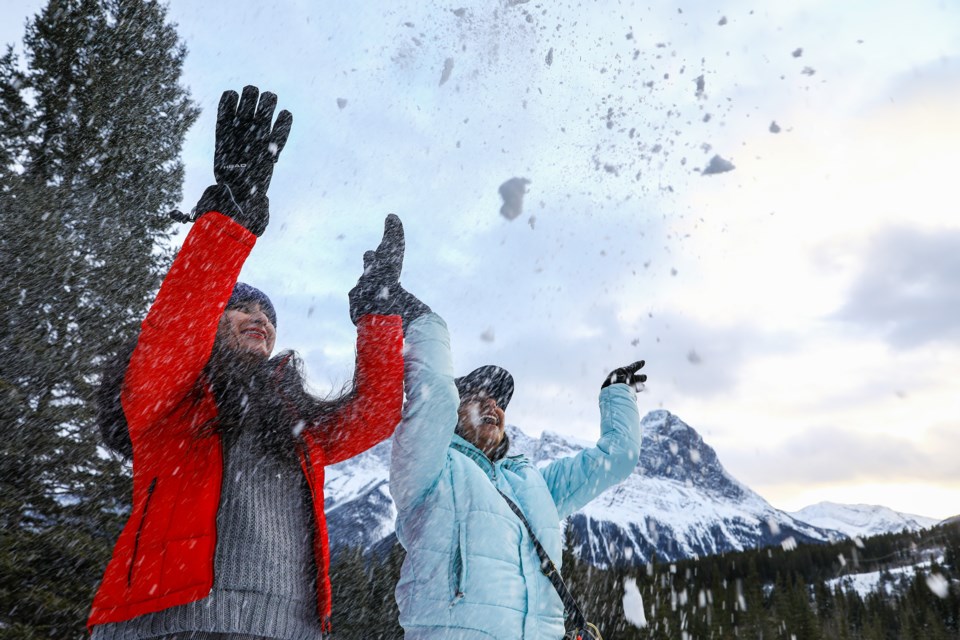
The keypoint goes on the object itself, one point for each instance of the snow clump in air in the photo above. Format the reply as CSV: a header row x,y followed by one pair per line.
x,y
633,604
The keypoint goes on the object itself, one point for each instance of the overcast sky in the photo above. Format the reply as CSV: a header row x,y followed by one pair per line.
x,y
799,311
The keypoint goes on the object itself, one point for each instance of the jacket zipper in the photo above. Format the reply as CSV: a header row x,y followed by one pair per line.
x,y
136,540
460,568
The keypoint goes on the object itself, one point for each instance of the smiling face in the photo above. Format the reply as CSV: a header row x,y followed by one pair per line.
x,y
481,422
245,329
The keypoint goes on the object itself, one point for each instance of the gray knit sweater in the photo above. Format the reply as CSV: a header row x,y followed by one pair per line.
x,y
264,582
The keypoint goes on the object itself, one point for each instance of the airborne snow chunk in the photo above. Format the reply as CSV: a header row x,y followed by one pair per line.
x,y
938,584
512,192
447,70
633,604
718,165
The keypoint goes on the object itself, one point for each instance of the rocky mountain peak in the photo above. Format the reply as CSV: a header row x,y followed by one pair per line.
x,y
674,450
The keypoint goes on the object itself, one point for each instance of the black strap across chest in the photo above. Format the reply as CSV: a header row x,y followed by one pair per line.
x,y
571,608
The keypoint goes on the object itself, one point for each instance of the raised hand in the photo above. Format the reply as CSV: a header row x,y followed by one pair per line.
x,y
627,375
248,143
378,290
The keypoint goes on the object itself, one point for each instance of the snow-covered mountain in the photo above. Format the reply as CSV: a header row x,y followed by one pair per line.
x,y
861,520
679,502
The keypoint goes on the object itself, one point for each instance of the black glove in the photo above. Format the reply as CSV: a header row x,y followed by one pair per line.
x,y
248,144
626,375
378,290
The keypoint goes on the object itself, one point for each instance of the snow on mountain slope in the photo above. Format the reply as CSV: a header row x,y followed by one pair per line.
x,y
861,520
679,502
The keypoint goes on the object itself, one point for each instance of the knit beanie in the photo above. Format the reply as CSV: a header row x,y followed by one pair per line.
x,y
244,292
490,379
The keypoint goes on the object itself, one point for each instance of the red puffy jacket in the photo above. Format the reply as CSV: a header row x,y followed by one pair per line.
x,y
164,556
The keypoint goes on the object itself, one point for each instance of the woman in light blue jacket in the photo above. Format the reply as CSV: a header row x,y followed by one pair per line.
x,y
471,570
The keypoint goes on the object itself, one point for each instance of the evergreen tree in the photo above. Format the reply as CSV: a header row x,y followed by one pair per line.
x,y
90,136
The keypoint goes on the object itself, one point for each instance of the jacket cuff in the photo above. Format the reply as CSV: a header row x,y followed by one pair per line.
x,y
376,321
216,222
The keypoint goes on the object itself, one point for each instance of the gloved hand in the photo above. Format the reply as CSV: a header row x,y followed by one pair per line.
x,y
378,290
627,375
248,144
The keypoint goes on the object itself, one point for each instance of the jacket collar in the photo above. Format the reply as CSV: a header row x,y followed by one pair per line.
x,y
489,467
468,449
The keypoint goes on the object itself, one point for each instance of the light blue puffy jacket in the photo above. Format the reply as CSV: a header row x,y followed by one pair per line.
x,y
471,570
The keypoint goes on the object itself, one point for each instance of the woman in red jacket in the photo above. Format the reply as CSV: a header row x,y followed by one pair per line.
x,y
227,537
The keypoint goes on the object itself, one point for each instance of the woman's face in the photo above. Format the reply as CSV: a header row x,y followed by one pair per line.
x,y
481,422
245,329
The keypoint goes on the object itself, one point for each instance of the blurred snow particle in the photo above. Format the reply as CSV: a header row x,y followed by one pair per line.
x,y
298,428
488,335
693,357
532,222
512,192
741,601
341,102
447,70
701,83
718,165
723,21
858,542
774,127
549,58
938,584
808,71
789,543
695,456
774,526
798,52
674,447
633,604
842,560
673,272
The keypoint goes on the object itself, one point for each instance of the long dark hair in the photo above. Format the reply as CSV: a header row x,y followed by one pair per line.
x,y
111,420
278,392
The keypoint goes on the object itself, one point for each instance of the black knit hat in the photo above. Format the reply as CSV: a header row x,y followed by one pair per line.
x,y
495,381
244,292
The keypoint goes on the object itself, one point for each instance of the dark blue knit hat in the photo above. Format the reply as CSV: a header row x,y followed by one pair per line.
x,y
490,379
244,292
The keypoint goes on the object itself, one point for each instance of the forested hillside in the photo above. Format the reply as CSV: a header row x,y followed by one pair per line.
x,y
772,593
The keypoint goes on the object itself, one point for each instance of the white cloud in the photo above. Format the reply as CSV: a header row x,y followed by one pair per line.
x,y
750,269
